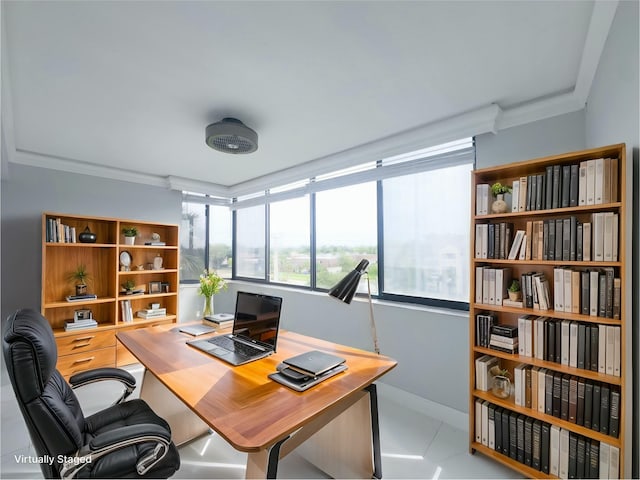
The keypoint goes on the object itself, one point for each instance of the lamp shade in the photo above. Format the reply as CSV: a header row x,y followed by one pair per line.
x,y
346,288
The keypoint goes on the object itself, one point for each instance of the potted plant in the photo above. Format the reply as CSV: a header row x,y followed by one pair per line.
x,y
130,233
498,190
210,284
81,276
128,285
514,291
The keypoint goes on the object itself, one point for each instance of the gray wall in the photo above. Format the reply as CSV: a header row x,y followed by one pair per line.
x,y
612,117
564,133
28,191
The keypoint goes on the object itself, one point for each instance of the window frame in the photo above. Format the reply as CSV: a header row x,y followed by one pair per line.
x,y
310,187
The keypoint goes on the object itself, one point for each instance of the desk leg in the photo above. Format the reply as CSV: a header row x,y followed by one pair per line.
x,y
185,425
264,464
349,445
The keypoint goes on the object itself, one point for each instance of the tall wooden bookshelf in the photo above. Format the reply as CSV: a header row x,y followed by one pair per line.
x,y
95,347
508,315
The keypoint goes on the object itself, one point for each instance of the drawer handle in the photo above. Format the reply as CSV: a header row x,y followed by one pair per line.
x,y
80,345
82,339
85,360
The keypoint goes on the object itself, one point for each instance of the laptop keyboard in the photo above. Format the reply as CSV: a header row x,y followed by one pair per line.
x,y
237,347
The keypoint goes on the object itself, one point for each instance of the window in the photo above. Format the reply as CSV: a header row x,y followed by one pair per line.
x,y
192,241
220,238
426,234
289,242
250,240
346,232
407,214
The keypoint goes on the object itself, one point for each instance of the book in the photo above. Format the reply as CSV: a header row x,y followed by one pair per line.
x,y
484,437
580,457
554,450
573,399
588,402
80,298
537,440
573,455
580,402
498,429
595,411
566,185
528,441
582,184
506,414
80,325
564,397
545,440
491,443
573,185
604,409
614,412
614,462
563,468
515,195
159,244
520,438
604,460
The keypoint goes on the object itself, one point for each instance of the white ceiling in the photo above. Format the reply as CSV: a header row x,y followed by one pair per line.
x,y
126,89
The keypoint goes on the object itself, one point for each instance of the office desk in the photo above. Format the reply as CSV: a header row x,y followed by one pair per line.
x,y
259,416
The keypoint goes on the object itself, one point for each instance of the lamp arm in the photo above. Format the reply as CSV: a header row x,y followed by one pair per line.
x,y
374,332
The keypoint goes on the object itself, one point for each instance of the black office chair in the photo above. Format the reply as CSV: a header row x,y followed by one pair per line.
x,y
125,440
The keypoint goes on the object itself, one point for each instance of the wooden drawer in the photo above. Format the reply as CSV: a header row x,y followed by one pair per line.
x,y
123,356
85,341
79,362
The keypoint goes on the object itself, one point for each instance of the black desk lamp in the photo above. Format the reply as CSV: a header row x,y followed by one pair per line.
x,y
346,288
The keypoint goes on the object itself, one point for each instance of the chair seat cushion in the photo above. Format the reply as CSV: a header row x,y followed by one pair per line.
x,y
121,463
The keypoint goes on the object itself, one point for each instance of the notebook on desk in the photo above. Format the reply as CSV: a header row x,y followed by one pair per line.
x,y
255,330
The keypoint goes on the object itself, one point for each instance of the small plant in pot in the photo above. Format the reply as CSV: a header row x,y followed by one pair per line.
x,y
128,286
130,234
81,277
498,190
515,295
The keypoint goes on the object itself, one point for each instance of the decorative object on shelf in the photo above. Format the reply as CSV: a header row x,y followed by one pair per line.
x,y
155,240
155,237
129,285
81,276
87,236
140,267
210,284
498,190
515,295
165,287
157,262
125,261
501,386
129,235
155,287
346,288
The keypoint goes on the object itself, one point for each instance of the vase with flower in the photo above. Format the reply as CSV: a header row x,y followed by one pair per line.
x,y
210,284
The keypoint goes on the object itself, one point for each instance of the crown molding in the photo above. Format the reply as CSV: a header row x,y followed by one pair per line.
x,y
34,159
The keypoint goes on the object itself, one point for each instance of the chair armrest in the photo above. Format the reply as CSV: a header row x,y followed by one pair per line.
x,y
142,432
116,439
102,374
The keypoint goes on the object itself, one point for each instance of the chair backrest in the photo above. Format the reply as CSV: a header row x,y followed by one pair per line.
x,y
49,406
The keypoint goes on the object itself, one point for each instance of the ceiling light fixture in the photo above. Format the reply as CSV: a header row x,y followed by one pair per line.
x,y
230,135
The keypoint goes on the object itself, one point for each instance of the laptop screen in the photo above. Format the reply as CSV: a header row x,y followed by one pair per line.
x,y
257,318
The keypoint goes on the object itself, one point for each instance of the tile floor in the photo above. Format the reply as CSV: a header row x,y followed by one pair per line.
x,y
413,445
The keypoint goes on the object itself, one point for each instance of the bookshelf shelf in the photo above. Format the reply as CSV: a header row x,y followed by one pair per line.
x,y
577,180
510,405
578,372
62,252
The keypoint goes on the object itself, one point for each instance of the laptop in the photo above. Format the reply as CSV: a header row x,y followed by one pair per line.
x,y
255,331
313,363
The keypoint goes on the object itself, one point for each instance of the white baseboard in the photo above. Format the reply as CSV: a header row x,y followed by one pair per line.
x,y
451,416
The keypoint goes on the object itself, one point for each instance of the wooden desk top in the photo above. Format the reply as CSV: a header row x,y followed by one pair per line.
x,y
249,410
